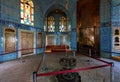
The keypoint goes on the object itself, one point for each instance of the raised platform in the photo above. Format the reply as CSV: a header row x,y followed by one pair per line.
x,y
116,58
56,48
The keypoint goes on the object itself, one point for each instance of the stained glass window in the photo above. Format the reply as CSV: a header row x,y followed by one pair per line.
x,y
27,12
62,24
51,24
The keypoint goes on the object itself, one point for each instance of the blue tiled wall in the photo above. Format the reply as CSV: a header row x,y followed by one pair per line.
x,y
10,14
115,15
105,11
105,41
105,28
10,10
9,56
105,38
0,9
4,24
1,39
110,18
73,40
71,13
40,50
1,44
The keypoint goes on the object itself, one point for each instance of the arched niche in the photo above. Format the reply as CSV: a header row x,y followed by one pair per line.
x,y
116,41
116,31
9,40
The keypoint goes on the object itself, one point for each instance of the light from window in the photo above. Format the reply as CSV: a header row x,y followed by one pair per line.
x,y
62,24
51,24
27,12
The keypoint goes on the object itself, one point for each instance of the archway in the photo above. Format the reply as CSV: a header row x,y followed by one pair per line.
x,y
57,26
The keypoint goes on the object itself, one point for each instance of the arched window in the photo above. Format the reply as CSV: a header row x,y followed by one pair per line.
x,y
51,24
116,39
116,32
62,24
27,12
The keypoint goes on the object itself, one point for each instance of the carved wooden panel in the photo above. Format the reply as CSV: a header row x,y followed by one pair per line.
x,y
39,40
10,41
27,42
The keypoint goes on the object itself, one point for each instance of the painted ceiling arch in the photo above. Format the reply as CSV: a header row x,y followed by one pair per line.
x,y
57,6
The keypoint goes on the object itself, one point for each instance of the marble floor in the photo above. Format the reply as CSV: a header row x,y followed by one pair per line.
x,y
17,71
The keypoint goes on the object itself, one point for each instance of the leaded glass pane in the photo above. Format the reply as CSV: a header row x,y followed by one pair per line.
x,y
62,24
51,24
27,12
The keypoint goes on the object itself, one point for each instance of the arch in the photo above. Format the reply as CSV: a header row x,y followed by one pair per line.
x,y
57,6
27,12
